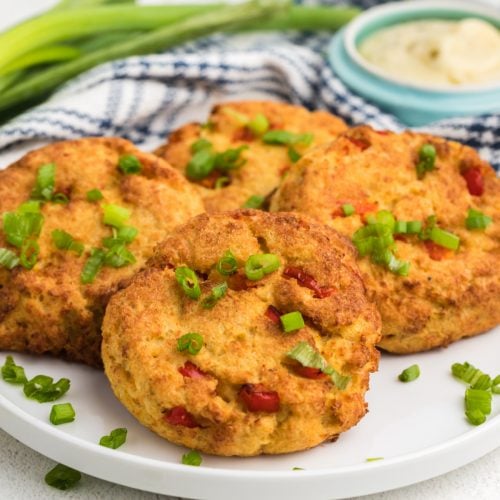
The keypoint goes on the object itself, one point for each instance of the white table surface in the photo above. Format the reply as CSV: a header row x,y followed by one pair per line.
x,y
22,470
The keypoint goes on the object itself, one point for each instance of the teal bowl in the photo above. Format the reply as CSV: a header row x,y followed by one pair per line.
x,y
413,104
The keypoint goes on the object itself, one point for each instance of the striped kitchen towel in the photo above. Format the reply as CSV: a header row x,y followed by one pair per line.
x,y
144,98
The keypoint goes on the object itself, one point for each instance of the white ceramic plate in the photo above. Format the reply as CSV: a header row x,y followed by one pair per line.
x,y
419,428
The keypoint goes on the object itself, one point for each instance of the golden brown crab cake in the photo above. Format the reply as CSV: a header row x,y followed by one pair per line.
x,y
446,294
256,167
47,309
238,391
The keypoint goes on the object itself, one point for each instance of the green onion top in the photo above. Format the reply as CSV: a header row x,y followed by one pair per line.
x,y
477,220
217,292
292,321
29,254
282,137
62,414
466,372
12,373
94,195
62,477
43,389
409,374
190,342
60,198
200,145
293,154
426,160
222,182
8,258
115,439
188,281
478,399
348,209
259,265
444,238
18,227
115,215
92,266
129,164
259,124
255,201
201,165
64,241
45,182
192,458
227,264
495,385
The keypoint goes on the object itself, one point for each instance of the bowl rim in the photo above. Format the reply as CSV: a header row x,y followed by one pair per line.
x,y
365,19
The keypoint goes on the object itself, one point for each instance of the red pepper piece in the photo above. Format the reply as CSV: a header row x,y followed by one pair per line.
x,y
256,398
307,372
243,134
308,281
273,314
180,416
360,143
436,252
475,181
190,370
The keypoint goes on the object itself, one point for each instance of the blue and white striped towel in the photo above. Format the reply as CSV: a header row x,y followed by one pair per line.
x,y
144,98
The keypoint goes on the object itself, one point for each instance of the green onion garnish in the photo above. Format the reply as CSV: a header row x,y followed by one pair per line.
x,y
259,124
477,220
192,458
64,241
221,182
287,138
475,417
200,145
467,373
477,399
12,373
201,165
191,342
118,255
29,207
129,164
227,264
94,195
43,389
292,321
297,468
45,182
62,477
60,198
125,234
240,118
218,291
259,265
495,385
92,266
115,438
29,254
348,209
188,281
400,227
18,227
426,160
444,238
307,356
115,216
293,154
8,259
409,374
62,414
413,226
374,459
254,201
230,159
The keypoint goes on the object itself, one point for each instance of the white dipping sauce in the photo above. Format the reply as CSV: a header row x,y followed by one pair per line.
x,y
451,53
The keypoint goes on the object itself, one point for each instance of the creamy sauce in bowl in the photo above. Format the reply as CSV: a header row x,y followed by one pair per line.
x,y
437,52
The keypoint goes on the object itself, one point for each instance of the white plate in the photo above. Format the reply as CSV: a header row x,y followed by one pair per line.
x,y
419,428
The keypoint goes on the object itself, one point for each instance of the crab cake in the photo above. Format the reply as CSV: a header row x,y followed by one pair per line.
x,y
239,156
248,333
76,227
439,280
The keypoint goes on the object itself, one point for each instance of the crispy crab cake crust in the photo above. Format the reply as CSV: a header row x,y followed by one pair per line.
x,y
241,344
47,309
440,301
264,164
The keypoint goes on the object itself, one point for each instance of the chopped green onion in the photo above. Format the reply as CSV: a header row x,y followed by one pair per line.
x,y
482,383
413,226
92,266
62,414
227,264
201,165
62,477
12,373
307,356
230,159
297,468
218,291
287,138
29,254
475,417
64,241
431,222
400,227
60,198
240,118
200,145
374,459
384,217
254,201
129,164
292,321
477,220
192,458
192,342
466,372
409,374
426,160
444,238
259,265
188,281
348,209
115,216
115,439
43,389
20,226
127,234
29,207
8,259
259,124
94,195
45,182
399,267
293,154
477,399
118,255
495,385
221,182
